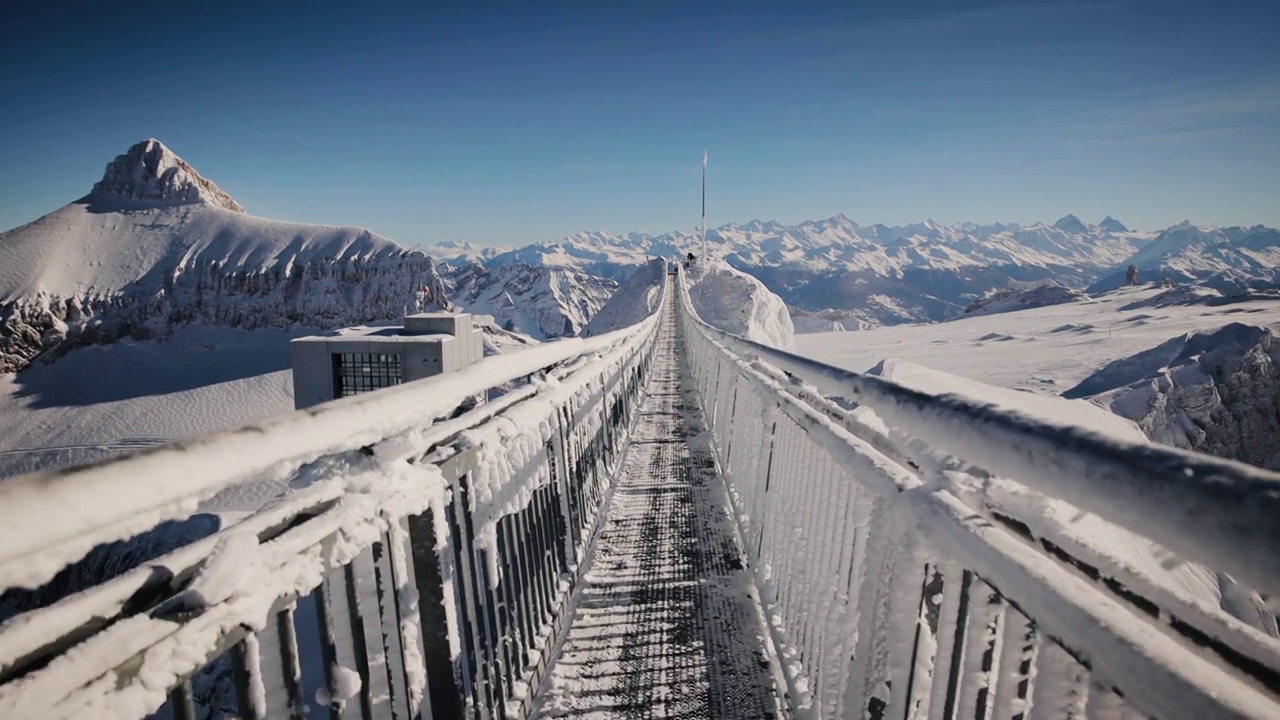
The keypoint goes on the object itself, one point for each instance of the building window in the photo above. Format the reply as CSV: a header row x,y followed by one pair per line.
x,y
355,373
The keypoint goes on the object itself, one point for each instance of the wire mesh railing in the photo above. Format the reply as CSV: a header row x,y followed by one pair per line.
x,y
908,576
418,566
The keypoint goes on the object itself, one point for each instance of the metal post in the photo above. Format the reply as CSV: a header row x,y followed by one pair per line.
x,y
704,205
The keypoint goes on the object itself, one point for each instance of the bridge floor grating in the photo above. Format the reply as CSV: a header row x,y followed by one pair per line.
x,y
666,623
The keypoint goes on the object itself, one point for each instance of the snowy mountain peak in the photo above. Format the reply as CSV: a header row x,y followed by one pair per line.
x,y
756,226
1072,224
152,174
1111,224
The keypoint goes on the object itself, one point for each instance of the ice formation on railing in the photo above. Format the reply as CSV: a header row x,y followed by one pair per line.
x,y
414,562
903,581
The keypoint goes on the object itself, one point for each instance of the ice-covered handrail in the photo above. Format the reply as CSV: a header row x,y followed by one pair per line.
x,y
50,519
415,568
1218,512
870,544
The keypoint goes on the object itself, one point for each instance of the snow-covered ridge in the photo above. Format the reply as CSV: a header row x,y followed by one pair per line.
x,y
735,302
1022,296
826,320
1112,225
1073,225
151,173
92,272
885,275
539,301
461,252
636,300
840,243
926,272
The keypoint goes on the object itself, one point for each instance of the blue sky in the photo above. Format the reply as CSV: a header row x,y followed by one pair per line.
x,y
513,123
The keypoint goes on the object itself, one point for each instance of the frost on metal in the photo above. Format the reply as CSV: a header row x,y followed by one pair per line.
x,y
513,462
665,622
168,648
910,558
117,499
946,590
352,472
344,684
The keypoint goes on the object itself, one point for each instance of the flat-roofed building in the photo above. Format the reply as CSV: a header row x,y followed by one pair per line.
x,y
356,360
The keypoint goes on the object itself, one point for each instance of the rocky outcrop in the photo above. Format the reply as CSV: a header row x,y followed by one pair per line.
x,y
152,174
1023,296
541,302
316,293
1216,392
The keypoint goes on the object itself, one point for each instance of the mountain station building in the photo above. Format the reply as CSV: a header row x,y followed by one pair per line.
x,y
357,360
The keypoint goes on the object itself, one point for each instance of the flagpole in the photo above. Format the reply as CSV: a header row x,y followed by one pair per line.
x,y
704,205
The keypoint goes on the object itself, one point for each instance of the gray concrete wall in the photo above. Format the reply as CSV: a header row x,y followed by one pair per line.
x,y
455,324
441,343
312,374
424,359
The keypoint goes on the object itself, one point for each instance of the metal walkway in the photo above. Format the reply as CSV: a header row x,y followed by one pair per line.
x,y
666,622
567,550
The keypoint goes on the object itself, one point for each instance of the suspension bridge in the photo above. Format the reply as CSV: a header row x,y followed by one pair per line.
x,y
666,521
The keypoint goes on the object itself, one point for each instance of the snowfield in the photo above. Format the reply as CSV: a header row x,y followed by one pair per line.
x,y
1045,350
102,401
1050,409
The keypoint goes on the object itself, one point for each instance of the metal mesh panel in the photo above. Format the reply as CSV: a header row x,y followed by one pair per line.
x,y
355,373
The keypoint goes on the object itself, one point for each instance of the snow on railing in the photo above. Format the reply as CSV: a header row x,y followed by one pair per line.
x,y
909,570
417,566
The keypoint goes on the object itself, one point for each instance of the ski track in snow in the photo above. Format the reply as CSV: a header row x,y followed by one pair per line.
x,y
666,623
122,444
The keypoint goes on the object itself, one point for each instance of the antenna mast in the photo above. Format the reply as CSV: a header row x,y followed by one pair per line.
x,y
704,205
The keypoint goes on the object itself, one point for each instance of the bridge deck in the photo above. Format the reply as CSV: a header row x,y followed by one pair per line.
x,y
666,623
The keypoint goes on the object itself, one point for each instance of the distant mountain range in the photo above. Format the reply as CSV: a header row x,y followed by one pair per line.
x,y
155,244
1229,260
877,274
924,272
